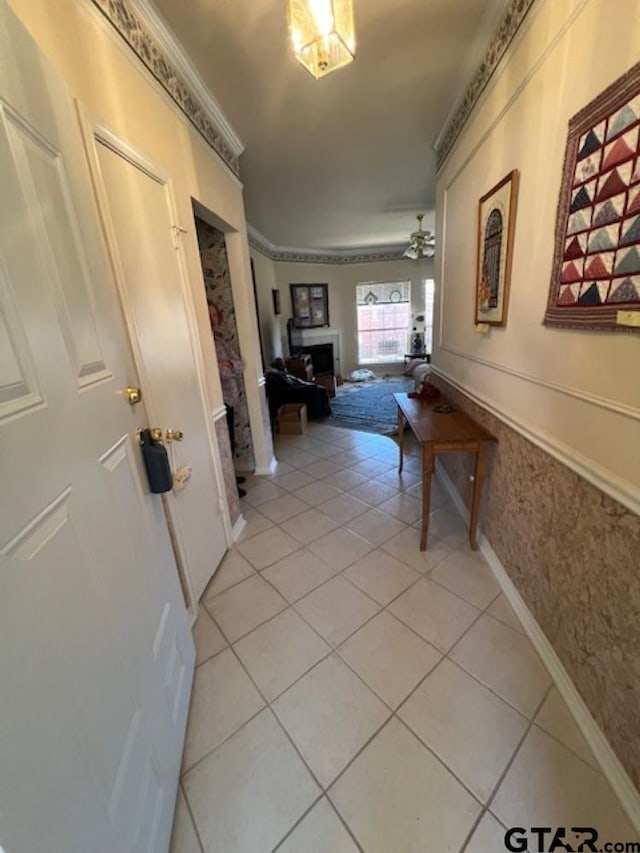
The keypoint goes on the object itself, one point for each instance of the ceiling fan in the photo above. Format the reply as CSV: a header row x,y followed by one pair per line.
x,y
422,243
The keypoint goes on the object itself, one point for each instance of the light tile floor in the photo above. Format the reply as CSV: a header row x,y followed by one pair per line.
x,y
352,693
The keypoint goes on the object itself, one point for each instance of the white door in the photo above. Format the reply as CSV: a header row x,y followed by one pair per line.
x,y
96,656
144,240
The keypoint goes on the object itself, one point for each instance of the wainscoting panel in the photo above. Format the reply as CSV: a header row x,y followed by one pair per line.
x,y
572,553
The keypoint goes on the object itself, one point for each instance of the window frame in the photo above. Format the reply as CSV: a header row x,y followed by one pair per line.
x,y
399,357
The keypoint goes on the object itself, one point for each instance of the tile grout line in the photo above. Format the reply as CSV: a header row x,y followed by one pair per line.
x,y
392,711
335,650
446,655
191,817
362,625
487,806
383,608
268,704
323,790
298,822
344,823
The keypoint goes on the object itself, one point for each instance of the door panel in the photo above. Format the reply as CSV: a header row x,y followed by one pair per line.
x,y
141,229
43,176
96,654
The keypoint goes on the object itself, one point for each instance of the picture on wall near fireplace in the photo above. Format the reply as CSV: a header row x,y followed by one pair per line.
x,y
310,305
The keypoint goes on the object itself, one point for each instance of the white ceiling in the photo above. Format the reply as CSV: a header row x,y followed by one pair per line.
x,y
345,161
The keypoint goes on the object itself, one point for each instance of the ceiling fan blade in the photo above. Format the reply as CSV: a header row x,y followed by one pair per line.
x,y
421,243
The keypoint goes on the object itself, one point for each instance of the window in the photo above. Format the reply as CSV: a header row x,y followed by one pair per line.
x,y
429,286
384,317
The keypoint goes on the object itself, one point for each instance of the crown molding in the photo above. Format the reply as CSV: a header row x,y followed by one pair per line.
x,y
145,32
290,255
511,21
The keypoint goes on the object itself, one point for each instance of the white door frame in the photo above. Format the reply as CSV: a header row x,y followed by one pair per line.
x,y
94,131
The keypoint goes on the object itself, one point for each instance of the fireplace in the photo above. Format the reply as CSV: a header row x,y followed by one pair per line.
x,y
323,366
321,358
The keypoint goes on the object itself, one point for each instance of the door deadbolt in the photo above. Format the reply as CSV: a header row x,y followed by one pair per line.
x,y
174,435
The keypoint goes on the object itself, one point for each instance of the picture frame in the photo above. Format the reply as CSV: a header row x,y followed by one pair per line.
x,y
496,228
310,305
275,296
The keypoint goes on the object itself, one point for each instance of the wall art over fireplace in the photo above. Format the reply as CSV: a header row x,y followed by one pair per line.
x,y
310,305
595,281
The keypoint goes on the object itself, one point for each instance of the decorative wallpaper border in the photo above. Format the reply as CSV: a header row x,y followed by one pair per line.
x,y
509,25
136,32
308,256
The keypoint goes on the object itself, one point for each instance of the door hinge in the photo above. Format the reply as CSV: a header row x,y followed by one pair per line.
x,y
178,231
222,504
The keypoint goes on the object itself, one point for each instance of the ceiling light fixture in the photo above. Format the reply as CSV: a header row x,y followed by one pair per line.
x,y
422,243
322,34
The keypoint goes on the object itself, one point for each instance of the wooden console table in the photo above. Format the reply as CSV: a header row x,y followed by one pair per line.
x,y
440,432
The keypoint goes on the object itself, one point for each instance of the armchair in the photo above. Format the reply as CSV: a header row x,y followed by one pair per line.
x,y
282,388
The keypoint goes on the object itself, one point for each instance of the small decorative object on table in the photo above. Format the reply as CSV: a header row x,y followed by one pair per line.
x,y
426,391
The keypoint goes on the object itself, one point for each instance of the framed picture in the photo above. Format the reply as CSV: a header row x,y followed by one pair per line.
x,y
310,305
496,225
275,296
416,341
595,280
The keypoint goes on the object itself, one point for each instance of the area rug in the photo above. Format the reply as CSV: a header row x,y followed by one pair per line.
x,y
369,406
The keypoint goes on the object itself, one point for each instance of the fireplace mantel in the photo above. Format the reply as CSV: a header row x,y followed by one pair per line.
x,y
326,335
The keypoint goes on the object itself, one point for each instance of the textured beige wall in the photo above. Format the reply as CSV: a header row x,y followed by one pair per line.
x,y
578,391
574,555
115,89
343,280
228,469
571,548
271,325
102,73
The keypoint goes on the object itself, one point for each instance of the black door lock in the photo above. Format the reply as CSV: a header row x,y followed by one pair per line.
x,y
156,462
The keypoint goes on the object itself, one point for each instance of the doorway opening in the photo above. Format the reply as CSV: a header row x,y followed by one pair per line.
x,y
219,292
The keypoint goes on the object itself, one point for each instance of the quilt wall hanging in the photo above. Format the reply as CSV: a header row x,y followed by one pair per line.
x,y
596,268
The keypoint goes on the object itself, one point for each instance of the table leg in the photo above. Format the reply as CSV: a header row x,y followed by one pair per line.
x,y
481,470
400,437
427,471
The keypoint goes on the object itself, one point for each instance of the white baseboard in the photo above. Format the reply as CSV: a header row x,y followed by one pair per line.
x,y
608,761
238,527
267,470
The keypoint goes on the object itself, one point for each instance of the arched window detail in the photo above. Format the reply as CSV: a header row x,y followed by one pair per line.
x,y
492,253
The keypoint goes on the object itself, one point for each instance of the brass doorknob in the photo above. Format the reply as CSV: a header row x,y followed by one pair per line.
x,y
134,395
173,435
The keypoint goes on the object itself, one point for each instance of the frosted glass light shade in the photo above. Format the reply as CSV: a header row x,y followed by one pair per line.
x,y
322,34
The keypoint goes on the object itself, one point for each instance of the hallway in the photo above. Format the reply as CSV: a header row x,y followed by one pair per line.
x,y
353,693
